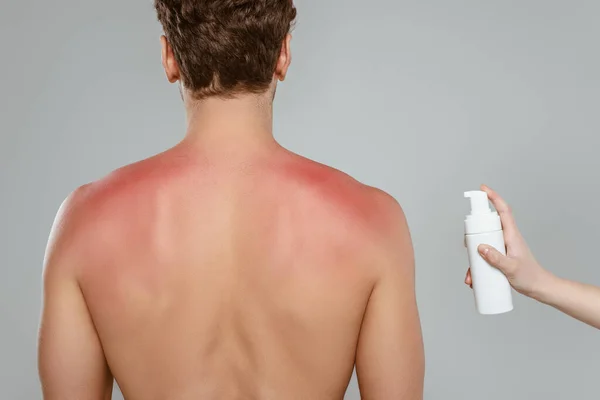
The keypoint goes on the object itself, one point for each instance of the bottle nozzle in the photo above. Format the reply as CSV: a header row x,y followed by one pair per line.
x,y
479,202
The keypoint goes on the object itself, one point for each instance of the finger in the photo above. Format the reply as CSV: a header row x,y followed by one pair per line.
x,y
468,278
505,264
509,224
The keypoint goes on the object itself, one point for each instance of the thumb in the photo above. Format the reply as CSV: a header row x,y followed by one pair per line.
x,y
497,259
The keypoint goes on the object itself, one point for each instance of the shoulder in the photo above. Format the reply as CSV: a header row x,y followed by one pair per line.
x,y
65,235
89,216
381,223
69,218
375,214
116,196
388,224
382,234
391,219
91,204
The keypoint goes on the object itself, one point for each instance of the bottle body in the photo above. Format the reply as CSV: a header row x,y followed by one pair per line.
x,y
493,294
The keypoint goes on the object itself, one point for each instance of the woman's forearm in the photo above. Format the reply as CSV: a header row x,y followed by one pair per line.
x,y
578,300
528,277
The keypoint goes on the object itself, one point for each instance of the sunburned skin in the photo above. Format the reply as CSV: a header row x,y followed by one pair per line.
x,y
236,279
227,267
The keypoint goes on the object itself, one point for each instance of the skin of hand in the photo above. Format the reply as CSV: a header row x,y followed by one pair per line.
x,y
527,276
519,265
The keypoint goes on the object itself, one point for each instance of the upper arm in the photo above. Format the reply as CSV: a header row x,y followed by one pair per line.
x,y
71,361
390,356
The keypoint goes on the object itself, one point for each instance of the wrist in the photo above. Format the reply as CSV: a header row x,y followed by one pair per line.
x,y
545,287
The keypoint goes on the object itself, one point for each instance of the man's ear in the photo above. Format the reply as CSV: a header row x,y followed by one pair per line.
x,y
285,59
168,61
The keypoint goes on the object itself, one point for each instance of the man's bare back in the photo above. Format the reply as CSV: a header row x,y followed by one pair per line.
x,y
237,279
228,267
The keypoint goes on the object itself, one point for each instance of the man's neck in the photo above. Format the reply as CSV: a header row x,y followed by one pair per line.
x,y
237,127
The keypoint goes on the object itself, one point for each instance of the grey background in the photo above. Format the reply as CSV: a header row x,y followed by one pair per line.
x,y
423,99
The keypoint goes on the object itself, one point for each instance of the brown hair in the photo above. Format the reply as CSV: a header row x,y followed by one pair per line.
x,y
226,47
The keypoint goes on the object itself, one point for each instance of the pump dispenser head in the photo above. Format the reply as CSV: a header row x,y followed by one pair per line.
x,y
479,202
482,219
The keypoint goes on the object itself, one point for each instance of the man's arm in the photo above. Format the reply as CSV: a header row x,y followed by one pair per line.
x,y
390,356
71,361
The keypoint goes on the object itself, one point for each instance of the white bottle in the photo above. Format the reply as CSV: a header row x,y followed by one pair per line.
x,y
493,294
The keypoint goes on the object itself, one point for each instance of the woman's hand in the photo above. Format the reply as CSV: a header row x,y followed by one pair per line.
x,y
526,275
519,265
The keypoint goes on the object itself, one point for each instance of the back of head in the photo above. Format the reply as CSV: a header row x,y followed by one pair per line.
x,y
226,47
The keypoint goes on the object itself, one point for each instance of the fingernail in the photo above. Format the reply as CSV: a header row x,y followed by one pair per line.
x,y
484,250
